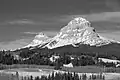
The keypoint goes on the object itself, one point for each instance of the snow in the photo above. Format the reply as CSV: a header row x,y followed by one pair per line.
x,y
68,65
78,30
109,60
108,76
53,58
39,39
118,65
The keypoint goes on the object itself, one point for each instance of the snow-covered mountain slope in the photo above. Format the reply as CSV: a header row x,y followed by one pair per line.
x,y
78,30
39,40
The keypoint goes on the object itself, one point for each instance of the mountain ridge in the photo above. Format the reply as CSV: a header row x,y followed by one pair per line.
x,y
40,38
77,31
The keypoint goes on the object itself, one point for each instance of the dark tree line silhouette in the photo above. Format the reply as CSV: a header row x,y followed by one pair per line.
x,y
66,76
40,58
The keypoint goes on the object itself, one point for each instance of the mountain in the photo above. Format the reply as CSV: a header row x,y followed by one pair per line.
x,y
78,31
39,40
78,36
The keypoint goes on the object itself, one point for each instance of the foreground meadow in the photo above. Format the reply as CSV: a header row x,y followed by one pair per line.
x,y
14,71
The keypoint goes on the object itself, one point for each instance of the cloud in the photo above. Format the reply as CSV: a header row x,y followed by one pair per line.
x,y
114,4
100,21
11,45
48,33
14,44
23,21
95,17
30,33
111,35
37,22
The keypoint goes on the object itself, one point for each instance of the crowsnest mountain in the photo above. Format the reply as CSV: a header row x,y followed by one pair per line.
x,y
77,31
78,36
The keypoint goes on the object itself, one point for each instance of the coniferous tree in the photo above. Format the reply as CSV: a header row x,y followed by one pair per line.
x,y
103,77
52,76
31,77
57,64
84,77
49,77
25,78
90,77
22,78
37,78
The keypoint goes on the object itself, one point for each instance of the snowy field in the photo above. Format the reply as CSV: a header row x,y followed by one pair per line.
x,y
38,72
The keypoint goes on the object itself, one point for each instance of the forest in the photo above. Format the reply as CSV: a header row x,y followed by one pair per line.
x,y
41,58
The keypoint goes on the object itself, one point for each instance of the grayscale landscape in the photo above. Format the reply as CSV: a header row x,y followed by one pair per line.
x,y
59,40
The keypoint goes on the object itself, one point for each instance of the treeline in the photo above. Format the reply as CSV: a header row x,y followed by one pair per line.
x,y
7,59
44,59
81,60
39,59
61,76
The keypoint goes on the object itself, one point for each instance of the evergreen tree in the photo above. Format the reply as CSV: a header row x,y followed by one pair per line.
x,y
84,77
57,64
25,78
37,78
52,76
49,77
31,77
22,78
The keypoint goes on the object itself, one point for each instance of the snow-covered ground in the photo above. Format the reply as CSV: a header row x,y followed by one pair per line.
x,y
109,60
46,72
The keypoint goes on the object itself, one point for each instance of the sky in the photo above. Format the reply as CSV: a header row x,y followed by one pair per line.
x,y
20,20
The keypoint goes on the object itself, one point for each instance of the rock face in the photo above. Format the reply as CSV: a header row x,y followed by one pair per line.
x,y
77,31
39,39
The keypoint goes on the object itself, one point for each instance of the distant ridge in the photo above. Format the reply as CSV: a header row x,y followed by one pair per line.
x,y
77,31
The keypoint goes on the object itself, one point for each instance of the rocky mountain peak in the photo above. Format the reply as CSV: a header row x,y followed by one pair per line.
x,y
78,31
77,23
39,39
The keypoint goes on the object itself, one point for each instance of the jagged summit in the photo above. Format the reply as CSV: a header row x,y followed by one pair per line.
x,y
77,31
39,39
77,23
